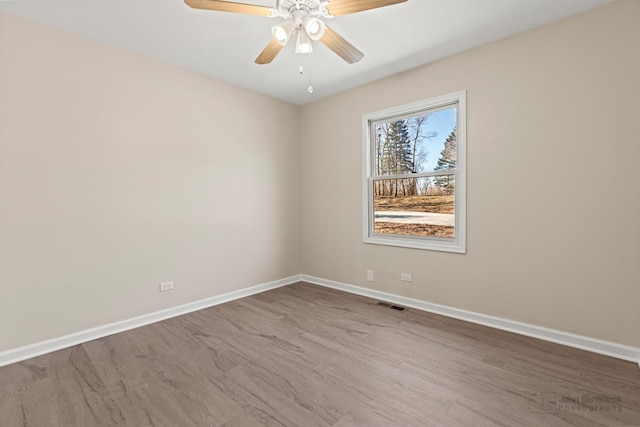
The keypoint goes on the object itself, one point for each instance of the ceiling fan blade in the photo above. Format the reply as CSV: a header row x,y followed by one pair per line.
x,y
271,51
339,45
345,7
228,6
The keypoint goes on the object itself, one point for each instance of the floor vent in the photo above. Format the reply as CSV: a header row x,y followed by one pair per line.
x,y
392,306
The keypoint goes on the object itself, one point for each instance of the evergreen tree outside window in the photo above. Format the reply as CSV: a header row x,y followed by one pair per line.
x,y
414,184
447,161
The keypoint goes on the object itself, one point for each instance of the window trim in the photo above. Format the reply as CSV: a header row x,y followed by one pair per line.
x,y
456,245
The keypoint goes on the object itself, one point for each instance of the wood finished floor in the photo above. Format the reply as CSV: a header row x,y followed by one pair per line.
x,y
302,356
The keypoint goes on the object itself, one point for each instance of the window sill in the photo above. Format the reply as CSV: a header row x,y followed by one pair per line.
x,y
440,245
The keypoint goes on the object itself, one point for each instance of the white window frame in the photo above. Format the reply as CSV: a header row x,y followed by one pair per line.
x,y
458,243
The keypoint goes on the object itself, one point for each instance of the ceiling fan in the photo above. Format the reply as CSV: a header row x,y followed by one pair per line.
x,y
302,19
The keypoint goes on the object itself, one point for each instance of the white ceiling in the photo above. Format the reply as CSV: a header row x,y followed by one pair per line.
x,y
224,45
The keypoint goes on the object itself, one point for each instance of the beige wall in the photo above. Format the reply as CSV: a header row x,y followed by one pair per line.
x,y
553,180
118,172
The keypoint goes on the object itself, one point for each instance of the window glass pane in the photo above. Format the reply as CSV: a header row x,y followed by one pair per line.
x,y
422,143
415,206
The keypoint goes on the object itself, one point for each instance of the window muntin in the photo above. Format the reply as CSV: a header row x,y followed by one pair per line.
x,y
415,175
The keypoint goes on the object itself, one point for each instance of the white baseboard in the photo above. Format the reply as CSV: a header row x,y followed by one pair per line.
x,y
32,350
606,348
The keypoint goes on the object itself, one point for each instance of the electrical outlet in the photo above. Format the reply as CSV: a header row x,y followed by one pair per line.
x,y
370,275
405,277
166,286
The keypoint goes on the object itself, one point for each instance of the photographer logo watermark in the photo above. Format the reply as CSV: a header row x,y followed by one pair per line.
x,y
551,403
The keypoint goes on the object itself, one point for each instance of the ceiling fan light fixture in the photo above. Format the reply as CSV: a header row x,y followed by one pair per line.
x,y
314,27
303,16
303,43
282,32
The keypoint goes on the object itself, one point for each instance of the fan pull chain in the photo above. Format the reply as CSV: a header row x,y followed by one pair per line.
x,y
310,89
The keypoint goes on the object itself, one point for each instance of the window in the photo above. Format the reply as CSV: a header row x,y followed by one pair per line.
x,y
414,166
